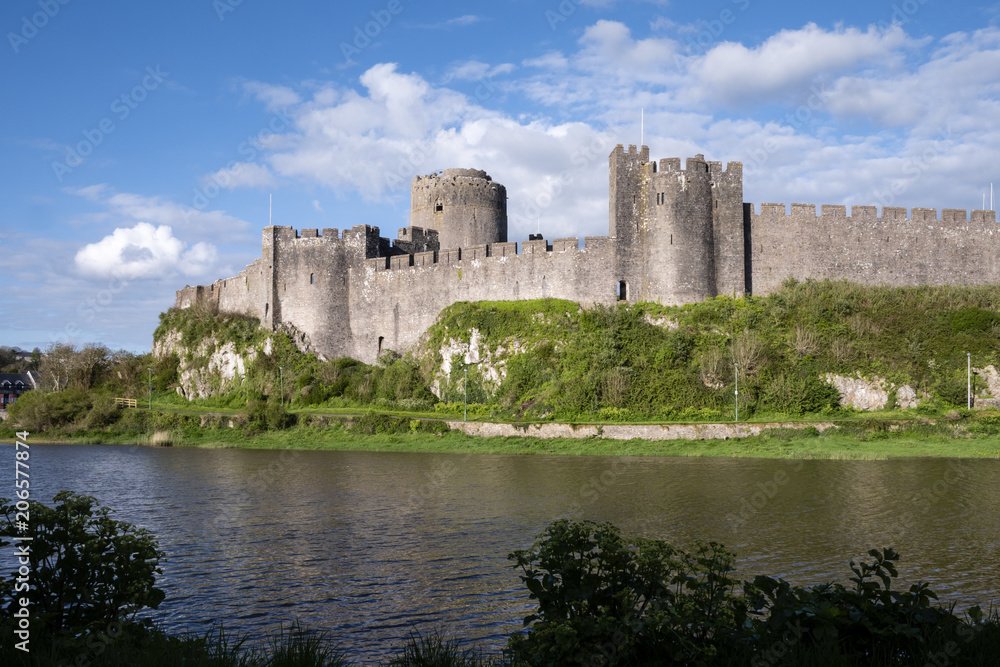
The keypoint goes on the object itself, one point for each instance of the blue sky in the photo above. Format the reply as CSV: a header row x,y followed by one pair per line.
x,y
142,139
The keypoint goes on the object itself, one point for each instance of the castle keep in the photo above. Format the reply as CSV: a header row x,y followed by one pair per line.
x,y
676,235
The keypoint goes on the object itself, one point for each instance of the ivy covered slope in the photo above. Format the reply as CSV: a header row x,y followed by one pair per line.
x,y
227,359
551,358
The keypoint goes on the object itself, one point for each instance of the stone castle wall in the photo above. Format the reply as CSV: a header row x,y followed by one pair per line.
x,y
863,247
396,299
676,236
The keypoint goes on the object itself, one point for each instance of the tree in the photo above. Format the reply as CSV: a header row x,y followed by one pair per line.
x,y
57,365
64,366
86,568
606,600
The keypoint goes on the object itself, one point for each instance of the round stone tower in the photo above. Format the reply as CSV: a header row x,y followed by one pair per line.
x,y
465,206
678,231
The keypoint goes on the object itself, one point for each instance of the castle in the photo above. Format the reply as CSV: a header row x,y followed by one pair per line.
x,y
675,236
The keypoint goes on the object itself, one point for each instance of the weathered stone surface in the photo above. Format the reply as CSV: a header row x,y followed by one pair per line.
x,y
675,236
625,431
859,393
991,377
864,394
211,368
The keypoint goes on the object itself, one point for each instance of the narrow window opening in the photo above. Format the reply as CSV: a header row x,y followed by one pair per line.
x,y
267,307
380,339
622,291
439,207
671,239
312,278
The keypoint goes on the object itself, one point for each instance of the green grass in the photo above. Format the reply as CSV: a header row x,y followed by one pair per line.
x,y
647,361
866,442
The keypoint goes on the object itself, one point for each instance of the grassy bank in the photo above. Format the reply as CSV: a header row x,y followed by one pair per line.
x,y
860,439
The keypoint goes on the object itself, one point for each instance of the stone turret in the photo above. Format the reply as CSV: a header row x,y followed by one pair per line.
x,y
465,206
679,246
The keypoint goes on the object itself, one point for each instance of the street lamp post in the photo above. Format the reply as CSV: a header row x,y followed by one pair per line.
x,y
465,388
736,393
968,392
150,388
281,384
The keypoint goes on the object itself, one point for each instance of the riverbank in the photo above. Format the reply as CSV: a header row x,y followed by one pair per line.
x,y
871,439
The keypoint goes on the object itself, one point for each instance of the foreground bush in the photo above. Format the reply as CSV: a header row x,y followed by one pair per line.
x,y
605,600
86,569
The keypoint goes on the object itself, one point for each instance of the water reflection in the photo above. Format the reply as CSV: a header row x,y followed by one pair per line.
x,y
372,545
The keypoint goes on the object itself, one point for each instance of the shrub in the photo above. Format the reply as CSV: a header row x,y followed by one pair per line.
x,y
87,569
44,410
266,415
103,413
631,602
602,599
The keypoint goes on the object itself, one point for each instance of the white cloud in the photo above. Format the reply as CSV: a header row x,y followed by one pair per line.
x,y
404,126
796,144
144,251
790,60
473,70
273,97
460,21
465,19
608,47
91,192
130,208
241,175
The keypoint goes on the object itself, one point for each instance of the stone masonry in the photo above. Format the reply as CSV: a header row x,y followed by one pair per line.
x,y
676,235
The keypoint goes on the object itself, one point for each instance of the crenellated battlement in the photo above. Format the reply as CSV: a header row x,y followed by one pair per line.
x,y
832,212
489,251
679,231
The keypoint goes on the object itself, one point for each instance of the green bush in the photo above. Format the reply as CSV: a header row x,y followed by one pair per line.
x,y
602,599
376,423
86,568
40,411
638,602
103,413
264,415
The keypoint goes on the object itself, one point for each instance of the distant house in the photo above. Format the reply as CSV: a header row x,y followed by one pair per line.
x,y
12,385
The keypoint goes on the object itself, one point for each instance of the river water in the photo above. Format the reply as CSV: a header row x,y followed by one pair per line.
x,y
372,546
